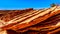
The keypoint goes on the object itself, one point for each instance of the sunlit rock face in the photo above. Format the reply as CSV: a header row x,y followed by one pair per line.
x,y
58,24
26,17
6,15
3,32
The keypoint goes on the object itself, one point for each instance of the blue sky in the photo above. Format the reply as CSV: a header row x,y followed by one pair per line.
x,y
22,4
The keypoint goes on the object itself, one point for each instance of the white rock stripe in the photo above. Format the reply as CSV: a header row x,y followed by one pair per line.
x,y
3,32
58,24
2,23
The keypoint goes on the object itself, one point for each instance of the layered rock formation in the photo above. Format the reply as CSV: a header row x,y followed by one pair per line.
x,y
31,21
